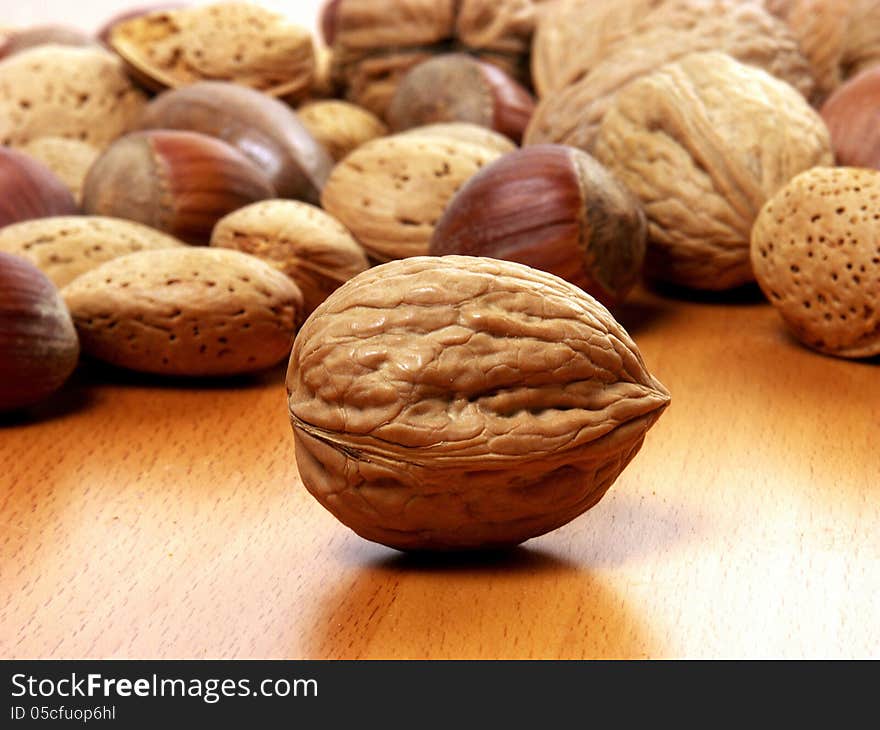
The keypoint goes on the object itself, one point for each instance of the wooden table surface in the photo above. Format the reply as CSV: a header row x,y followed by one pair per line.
x,y
142,518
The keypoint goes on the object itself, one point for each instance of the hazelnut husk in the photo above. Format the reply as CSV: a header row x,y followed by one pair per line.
x,y
264,129
178,182
553,208
29,189
39,347
458,88
852,114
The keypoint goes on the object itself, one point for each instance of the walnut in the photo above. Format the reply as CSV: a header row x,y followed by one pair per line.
x,y
677,28
840,38
375,42
703,142
457,402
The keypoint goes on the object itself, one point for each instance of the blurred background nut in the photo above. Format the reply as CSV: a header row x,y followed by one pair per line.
x,y
103,32
42,35
553,208
339,126
816,255
852,114
376,42
186,311
64,247
58,91
29,189
38,344
455,402
563,53
703,142
234,41
304,242
676,28
391,192
458,88
69,159
840,38
264,129
181,183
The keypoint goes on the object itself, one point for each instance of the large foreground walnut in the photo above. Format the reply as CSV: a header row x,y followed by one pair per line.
x,y
744,30
457,402
703,143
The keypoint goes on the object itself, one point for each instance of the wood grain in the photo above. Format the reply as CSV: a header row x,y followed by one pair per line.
x,y
147,518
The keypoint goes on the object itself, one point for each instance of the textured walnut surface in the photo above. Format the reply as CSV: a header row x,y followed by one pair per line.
x,y
703,142
230,41
64,247
677,28
304,242
60,91
457,401
816,255
186,311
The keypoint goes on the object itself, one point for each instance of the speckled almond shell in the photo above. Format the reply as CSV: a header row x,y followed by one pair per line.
x,y
704,142
464,132
81,94
302,241
677,28
238,42
391,192
454,402
186,311
339,126
65,247
816,254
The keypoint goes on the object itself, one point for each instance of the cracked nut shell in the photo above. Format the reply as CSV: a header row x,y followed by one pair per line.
x,y
458,403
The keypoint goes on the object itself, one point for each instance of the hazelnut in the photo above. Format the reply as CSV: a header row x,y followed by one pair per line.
x,y
29,189
264,129
459,88
181,183
39,348
553,208
852,114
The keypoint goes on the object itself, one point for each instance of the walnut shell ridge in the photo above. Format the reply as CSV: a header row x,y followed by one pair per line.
x,y
458,402
703,142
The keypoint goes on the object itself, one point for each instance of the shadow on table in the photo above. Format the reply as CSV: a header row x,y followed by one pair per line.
x,y
746,295
70,400
513,604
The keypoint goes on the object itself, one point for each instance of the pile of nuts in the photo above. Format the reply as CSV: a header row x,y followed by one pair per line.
x,y
428,211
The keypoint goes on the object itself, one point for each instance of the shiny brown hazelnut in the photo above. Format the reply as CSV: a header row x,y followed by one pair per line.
x,y
852,114
553,208
264,129
457,87
178,182
29,189
39,347
41,35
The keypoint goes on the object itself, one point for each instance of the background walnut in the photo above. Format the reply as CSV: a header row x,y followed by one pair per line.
x,y
376,42
457,402
675,29
840,38
703,143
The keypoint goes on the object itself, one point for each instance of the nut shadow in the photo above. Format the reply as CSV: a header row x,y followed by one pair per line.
x,y
522,603
72,399
746,295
